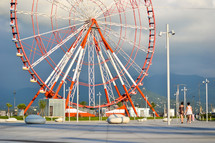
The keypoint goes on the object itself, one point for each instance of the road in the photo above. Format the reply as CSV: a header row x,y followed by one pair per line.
x,y
151,131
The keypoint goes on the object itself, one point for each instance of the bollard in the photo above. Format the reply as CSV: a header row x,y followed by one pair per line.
x,y
210,118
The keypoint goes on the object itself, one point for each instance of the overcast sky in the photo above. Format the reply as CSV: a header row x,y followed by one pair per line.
x,y
192,48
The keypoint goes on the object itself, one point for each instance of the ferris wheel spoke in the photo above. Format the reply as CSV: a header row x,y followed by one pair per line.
x,y
107,9
57,46
127,84
122,82
122,25
82,11
62,5
82,52
47,15
52,31
64,61
72,94
125,81
132,43
73,8
128,10
103,80
76,72
127,58
106,66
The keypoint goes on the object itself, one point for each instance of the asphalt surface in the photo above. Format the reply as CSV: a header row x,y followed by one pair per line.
x,y
151,131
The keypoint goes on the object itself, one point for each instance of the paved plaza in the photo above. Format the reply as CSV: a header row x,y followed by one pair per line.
x,y
151,131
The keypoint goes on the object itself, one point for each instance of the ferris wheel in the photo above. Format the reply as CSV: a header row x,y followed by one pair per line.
x,y
96,46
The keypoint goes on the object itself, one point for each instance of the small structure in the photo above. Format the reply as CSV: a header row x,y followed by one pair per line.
x,y
21,113
73,113
2,113
172,112
54,107
142,112
120,110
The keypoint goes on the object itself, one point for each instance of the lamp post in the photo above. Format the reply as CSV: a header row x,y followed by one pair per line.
x,y
206,92
99,104
177,99
78,93
14,99
168,33
176,103
199,99
64,91
68,90
185,98
69,104
193,104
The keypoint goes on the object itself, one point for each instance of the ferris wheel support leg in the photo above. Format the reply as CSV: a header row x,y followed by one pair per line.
x,y
117,90
67,72
126,91
106,66
78,62
67,99
147,101
126,110
129,98
106,94
109,48
26,109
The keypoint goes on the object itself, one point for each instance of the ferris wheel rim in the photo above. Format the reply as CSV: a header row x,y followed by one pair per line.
x,y
33,73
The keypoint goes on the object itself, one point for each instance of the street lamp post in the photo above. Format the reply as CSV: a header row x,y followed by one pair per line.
x,y
176,103
14,93
177,99
68,90
206,87
185,98
78,93
193,104
69,103
99,104
64,91
168,33
199,99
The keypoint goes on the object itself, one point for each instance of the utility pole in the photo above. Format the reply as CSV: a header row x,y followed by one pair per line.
x,y
99,104
185,96
206,92
78,93
193,104
14,100
168,33
177,99
199,99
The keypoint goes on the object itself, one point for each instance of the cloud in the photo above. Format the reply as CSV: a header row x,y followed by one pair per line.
x,y
192,20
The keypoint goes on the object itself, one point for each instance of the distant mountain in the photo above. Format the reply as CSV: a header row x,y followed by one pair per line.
x,y
157,84
155,89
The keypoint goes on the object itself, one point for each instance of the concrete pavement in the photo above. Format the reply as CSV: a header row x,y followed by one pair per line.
x,y
151,131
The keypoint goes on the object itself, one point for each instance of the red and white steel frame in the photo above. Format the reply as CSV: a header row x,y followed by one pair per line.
x,y
76,52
